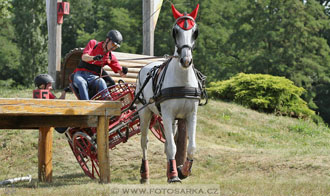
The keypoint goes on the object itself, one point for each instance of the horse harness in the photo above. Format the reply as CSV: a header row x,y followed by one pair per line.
x,y
157,74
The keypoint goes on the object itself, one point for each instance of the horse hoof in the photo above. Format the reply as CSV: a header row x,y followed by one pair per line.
x,y
174,179
181,176
144,181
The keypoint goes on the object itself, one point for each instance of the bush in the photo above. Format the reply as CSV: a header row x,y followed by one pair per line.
x,y
264,93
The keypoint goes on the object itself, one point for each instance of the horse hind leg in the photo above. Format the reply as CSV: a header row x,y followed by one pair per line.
x,y
144,172
145,117
185,170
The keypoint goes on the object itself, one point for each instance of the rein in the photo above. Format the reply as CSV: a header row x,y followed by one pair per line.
x,y
166,56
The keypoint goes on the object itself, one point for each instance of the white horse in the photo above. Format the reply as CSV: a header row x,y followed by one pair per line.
x,y
177,93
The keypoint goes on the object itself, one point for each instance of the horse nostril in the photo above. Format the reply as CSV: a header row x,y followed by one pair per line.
x,y
185,61
181,61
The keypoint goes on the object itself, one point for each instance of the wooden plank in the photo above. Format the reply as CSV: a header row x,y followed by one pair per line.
x,y
45,147
103,149
34,122
127,80
128,75
122,55
58,107
134,70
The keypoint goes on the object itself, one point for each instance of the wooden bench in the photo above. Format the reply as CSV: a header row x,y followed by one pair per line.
x,y
72,59
46,113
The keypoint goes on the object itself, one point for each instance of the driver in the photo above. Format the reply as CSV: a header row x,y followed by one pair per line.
x,y
90,73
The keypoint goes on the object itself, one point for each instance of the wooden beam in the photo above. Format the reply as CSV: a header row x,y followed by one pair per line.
x,y
34,122
30,113
103,149
52,31
45,147
58,107
127,80
128,75
148,27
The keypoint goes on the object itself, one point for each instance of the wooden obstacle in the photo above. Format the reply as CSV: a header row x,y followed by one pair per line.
x,y
72,59
46,113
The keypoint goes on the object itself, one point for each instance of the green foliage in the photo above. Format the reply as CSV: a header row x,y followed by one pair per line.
x,y
9,52
5,6
31,37
102,16
286,38
263,93
79,25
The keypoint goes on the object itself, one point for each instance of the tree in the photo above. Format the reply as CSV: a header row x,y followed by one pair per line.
x,y
31,37
9,52
79,25
282,38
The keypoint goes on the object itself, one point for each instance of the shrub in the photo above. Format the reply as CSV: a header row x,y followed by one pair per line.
x,y
264,93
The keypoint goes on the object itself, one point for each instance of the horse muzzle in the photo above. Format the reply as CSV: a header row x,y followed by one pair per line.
x,y
185,61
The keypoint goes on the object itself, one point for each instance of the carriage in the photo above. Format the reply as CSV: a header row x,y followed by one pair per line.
x,y
173,89
83,140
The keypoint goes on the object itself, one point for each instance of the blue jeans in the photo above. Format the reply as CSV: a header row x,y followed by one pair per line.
x,y
85,80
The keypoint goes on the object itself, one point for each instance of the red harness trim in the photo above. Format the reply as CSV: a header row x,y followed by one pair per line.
x,y
83,69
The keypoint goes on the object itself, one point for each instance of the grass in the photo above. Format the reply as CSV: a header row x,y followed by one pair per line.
x,y
243,151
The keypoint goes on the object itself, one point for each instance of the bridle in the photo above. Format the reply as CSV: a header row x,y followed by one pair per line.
x,y
179,48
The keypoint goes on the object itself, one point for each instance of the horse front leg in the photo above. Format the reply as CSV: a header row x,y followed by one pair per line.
x,y
185,170
145,117
172,173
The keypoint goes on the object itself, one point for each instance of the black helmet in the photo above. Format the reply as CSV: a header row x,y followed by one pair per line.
x,y
43,79
115,36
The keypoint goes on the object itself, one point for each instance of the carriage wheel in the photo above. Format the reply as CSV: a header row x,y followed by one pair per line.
x,y
85,150
157,128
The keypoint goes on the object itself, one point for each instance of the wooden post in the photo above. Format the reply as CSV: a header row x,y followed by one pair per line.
x,y
54,42
181,143
58,52
148,27
45,147
103,149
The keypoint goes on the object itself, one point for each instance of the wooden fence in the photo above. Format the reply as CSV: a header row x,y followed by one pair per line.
x,y
72,59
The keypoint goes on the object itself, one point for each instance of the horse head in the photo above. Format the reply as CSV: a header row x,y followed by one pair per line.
x,y
185,33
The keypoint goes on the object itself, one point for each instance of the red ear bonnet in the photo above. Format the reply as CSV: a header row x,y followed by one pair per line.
x,y
185,24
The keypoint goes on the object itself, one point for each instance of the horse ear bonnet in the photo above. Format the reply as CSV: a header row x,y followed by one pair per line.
x,y
185,24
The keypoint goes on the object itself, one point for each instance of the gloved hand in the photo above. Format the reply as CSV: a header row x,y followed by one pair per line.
x,y
124,70
97,57
67,89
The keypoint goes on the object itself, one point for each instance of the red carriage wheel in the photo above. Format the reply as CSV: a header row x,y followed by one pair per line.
x,y
157,128
85,151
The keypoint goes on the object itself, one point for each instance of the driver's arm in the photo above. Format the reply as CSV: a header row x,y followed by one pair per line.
x,y
87,57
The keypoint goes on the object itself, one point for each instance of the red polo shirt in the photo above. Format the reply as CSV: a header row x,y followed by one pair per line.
x,y
113,63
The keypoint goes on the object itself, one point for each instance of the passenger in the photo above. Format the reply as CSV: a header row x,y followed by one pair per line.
x,y
45,82
90,74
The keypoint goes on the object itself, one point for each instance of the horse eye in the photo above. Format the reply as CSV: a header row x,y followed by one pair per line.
x,y
174,32
195,35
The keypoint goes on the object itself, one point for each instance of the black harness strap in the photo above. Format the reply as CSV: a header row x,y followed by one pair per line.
x,y
177,93
161,95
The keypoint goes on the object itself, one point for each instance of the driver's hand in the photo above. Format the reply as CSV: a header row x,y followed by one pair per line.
x,y
122,74
123,71
97,57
